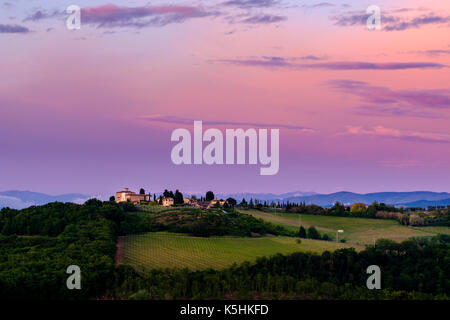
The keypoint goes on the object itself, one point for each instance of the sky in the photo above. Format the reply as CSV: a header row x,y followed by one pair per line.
x,y
92,110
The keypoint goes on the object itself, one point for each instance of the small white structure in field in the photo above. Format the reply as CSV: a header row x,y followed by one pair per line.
x,y
337,234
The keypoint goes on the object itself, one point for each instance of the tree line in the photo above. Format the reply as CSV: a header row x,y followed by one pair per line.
x,y
357,210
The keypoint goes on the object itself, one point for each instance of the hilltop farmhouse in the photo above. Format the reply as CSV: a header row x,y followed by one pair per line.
x,y
166,201
220,202
129,196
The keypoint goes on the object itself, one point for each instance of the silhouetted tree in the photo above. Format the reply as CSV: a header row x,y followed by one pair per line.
x,y
209,196
232,202
178,198
338,209
302,232
168,194
313,233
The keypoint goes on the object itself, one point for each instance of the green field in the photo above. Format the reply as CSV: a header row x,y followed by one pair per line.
x,y
357,231
167,250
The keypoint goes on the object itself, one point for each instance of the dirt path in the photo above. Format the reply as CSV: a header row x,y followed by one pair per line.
x,y
119,251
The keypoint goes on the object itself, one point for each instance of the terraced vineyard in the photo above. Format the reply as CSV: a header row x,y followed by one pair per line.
x,y
167,250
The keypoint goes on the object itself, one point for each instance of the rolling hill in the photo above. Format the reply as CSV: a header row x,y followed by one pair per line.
x,y
426,203
22,199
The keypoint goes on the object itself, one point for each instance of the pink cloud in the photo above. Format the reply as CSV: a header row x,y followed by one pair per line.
x,y
393,20
114,16
439,99
111,15
246,4
399,134
10,28
400,164
189,121
280,62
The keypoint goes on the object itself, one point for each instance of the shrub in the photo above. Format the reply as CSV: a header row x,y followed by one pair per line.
x,y
313,233
302,232
140,295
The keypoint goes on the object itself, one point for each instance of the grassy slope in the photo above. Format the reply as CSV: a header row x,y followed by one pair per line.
x,y
166,250
357,231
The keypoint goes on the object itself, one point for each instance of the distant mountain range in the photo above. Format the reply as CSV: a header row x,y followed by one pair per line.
x,y
426,203
23,199
408,199
265,196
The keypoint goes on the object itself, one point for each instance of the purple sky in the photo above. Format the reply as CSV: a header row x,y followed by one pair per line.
x,y
92,110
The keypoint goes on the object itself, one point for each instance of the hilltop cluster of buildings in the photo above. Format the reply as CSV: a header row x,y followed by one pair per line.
x,y
136,198
166,201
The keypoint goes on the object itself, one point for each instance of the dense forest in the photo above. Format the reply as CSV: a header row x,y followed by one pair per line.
x,y
201,223
37,244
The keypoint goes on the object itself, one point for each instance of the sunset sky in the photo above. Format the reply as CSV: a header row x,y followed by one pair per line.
x,y
92,110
